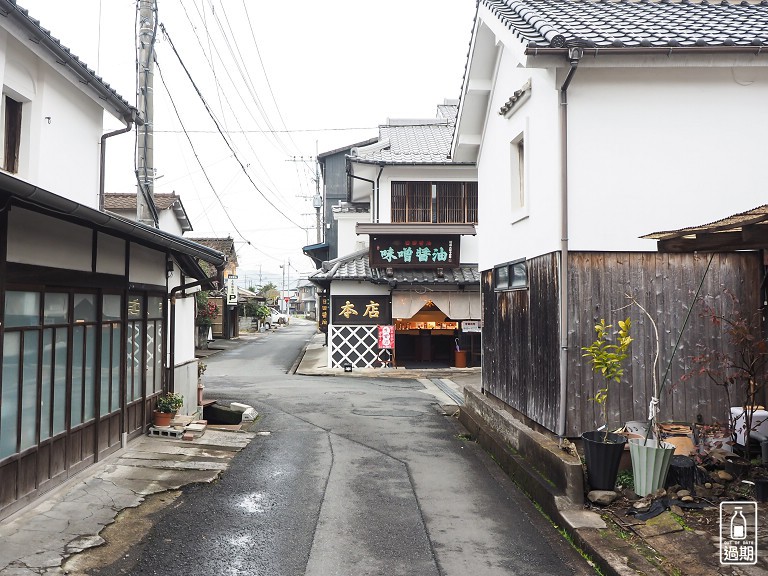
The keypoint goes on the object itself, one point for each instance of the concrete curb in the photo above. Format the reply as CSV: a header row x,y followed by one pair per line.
x,y
554,480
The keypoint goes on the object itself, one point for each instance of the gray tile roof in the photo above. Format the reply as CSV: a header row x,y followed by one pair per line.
x,y
356,267
636,24
127,201
413,141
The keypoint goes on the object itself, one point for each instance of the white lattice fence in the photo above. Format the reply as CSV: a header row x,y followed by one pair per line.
x,y
355,345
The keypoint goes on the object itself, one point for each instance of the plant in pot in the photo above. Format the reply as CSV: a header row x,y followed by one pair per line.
x,y
603,449
207,311
738,366
650,456
167,406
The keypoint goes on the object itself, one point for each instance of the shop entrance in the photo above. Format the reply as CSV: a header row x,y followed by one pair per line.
x,y
426,340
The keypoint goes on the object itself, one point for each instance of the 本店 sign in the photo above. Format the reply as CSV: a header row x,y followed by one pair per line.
x,y
363,310
416,251
324,315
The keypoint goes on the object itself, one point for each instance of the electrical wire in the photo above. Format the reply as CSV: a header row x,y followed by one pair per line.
x,y
218,127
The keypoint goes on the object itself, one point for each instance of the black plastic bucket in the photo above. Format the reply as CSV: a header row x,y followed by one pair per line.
x,y
603,457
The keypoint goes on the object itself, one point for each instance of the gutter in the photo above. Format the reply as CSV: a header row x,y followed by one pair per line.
x,y
574,54
378,190
660,50
48,200
103,151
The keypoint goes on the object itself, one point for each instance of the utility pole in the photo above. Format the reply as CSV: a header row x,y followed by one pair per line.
x,y
317,201
282,304
145,201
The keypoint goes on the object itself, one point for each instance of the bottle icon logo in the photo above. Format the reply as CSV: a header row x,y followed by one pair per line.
x,y
738,525
738,533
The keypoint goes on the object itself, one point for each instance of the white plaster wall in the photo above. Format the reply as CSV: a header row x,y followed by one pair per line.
x,y
147,266
348,240
510,234
110,255
184,349
61,126
357,288
43,241
649,149
660,149
168,222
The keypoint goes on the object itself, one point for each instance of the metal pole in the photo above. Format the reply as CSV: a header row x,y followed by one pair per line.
x,y
145,70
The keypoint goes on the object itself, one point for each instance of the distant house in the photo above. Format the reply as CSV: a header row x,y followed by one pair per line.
x,y
409,261
91,301
306,299
172,216
227,324
593,123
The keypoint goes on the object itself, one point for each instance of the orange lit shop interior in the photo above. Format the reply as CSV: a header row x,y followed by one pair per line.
x,y
429,339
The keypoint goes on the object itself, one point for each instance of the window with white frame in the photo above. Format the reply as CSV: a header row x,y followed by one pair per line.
x,y
11,117
517,172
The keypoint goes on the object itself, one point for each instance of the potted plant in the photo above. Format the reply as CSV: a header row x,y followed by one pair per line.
x,y
650,456
738,366
167,406
207,311
603,449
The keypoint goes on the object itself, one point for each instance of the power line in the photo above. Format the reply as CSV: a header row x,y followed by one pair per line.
x,y
286,131
210,113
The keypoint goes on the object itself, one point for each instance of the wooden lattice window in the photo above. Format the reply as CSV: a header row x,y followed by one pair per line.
x,y
434,202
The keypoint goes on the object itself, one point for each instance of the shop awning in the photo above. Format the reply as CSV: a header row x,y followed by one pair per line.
x,y
455,305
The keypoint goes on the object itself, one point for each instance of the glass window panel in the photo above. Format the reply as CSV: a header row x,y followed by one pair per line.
x,y
155,307
22,309
116,336
111,307
150,357
60,381
519,277
29,390
89,381
55,310
135,340
106,364
46,389
134,306
85,308
159,358
76,411
501,277
9,406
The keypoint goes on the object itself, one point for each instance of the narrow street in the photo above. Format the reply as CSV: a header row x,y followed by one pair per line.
x,y
348,476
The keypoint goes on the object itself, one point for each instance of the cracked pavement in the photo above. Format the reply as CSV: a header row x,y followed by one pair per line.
x,y
38,539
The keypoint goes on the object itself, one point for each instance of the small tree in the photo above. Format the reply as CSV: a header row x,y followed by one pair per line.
x,y
607,359
738,367
207,310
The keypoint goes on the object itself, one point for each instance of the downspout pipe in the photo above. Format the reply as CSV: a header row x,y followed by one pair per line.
x,y
574,55
103,156
378,178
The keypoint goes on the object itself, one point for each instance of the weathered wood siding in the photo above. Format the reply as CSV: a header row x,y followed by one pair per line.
x,y
520,329
520,333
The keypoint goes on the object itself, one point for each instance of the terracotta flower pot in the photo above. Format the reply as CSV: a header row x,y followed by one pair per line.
x,y
163,418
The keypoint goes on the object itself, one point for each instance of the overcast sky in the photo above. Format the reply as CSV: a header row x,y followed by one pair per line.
x,y
283,79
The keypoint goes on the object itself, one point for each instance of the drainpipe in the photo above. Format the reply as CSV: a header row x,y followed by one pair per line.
x,y
381,169
103,158
574,55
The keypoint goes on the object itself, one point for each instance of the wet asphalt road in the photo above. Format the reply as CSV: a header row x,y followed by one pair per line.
x,y
350,476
